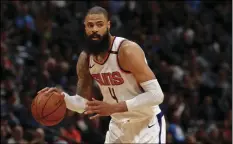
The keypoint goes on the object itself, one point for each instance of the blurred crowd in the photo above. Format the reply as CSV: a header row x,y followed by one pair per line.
x,y
188,45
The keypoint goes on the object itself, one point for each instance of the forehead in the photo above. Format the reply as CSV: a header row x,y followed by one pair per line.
x,y
95,18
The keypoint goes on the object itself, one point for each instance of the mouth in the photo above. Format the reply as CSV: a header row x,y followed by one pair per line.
x,y
95,38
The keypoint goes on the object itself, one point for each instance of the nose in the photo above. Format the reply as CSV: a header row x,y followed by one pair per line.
x,y
95,29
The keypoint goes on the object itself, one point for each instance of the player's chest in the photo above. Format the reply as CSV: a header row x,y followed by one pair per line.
x,y
106,75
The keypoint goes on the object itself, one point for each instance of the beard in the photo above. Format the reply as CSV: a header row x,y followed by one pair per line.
x,y
96,47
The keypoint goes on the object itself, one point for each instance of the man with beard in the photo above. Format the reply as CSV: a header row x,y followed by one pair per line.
x,y
131,92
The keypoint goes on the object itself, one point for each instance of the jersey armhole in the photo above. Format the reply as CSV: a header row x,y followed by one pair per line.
x,y
118,62
88,60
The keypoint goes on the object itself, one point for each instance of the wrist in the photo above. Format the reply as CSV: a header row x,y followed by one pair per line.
x,y
65,94
119,107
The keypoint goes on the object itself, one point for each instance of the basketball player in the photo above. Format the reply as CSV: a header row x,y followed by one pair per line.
x,y
131,92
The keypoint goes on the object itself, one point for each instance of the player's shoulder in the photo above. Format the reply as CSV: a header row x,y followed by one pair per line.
x,y
83,59
84,54
129,48
126,42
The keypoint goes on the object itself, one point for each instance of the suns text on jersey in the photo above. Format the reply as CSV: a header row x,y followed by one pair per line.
x,y
109,78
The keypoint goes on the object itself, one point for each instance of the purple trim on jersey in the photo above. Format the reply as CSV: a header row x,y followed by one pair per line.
x,y
159,117
140,87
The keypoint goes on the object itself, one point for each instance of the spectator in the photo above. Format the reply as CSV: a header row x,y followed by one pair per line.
x,y
5,130
24,20
176,131
39,137
17,135
209,114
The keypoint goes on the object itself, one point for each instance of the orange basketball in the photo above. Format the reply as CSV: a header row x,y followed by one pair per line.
x,y
48,109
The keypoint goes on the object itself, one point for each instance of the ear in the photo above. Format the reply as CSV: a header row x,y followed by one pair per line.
x,y
109,24
84,24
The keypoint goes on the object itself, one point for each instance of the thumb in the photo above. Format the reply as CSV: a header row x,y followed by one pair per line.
x,y
63,94
95,116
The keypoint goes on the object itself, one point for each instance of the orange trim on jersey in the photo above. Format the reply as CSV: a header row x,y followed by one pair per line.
x,y
122,70
107,55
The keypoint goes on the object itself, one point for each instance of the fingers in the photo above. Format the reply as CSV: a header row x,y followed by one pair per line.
x,y
54,89
88,112
92,107
95,116
94,102
43,90
51,90
48,90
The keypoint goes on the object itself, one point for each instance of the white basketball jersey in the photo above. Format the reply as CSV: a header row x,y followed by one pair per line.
x,y
116,85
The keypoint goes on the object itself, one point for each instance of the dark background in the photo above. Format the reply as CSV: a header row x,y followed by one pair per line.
x,y
187,43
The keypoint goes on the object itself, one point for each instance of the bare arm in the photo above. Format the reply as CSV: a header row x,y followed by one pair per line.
x,y
132,59
84,84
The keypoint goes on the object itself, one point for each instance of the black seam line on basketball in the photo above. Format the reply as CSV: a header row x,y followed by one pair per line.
x,y
45,118
44,106
53,119
52,111
36,107
32,106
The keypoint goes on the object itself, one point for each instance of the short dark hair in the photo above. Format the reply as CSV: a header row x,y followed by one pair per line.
x,y
98,10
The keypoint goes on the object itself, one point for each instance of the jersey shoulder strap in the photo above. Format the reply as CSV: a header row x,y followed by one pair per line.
x,y
117,43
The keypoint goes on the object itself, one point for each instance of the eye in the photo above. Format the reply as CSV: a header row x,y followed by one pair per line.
x,y
100,24
90,25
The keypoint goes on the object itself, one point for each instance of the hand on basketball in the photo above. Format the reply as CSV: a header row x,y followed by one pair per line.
x,y
48,90
99,108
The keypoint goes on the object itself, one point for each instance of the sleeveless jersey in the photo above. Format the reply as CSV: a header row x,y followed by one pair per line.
x,y
117,85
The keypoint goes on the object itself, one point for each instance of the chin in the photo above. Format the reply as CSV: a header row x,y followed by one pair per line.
x,y
98,45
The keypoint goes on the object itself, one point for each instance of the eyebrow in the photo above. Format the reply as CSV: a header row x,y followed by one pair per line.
x,y
99,22
95,22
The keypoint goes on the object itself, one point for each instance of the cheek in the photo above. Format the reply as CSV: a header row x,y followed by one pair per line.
x,y
102,31
87,31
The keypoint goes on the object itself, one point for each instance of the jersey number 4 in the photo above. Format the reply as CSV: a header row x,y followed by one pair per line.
x,y
112,93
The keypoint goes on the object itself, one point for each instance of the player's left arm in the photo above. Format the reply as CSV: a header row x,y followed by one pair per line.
x,y
132,59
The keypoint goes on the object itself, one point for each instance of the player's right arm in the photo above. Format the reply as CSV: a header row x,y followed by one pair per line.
x,y
84,86
84,83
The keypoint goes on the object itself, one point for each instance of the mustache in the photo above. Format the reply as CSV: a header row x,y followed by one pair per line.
x,y
95,35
